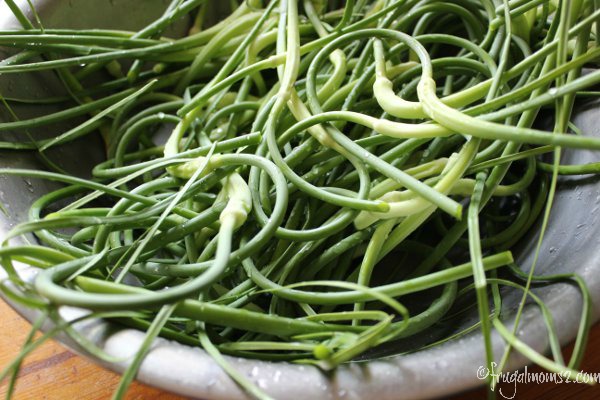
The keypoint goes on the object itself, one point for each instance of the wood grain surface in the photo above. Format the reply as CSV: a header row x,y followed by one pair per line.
x,y
52,372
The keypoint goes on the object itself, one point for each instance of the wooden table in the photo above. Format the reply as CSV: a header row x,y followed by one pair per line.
x,y
53,373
